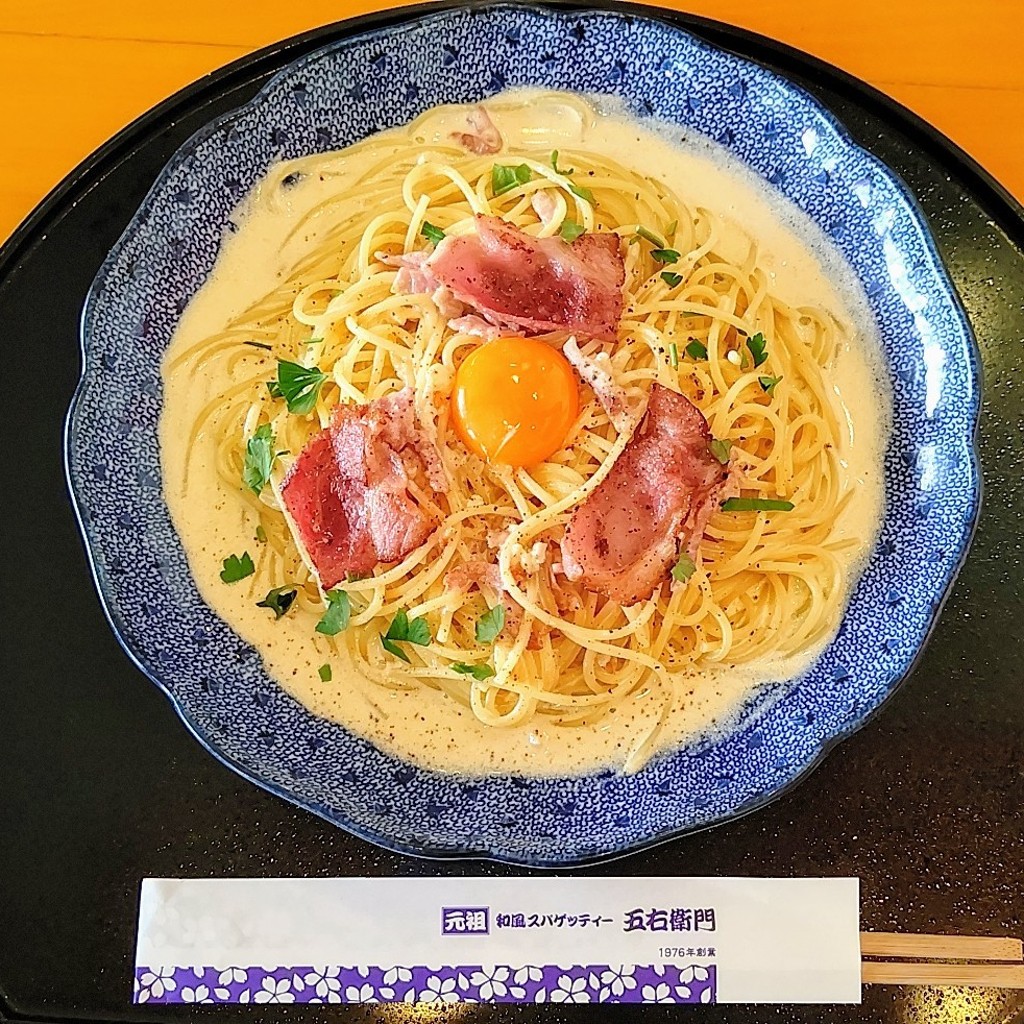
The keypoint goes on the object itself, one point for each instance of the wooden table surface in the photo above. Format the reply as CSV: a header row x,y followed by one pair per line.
x,y
73,73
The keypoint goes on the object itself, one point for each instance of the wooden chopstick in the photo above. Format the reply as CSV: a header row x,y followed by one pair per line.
x,y
875,972
941,947
1006,972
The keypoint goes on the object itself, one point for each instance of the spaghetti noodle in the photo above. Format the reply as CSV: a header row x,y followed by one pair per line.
x,y
765,586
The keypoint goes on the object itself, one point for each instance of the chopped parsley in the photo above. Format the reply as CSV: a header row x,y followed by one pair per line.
x,y
768,384
665,255
673,355
480,672
402,630
649,236
261,534
236,568
721,450
259,458
431,233
556,168
684,568
416,631
671,278
280,599
757,505
504,178
490,624
582,192
392,648
570,230
299,385
757,345
324,672
273,389
259,344
577,190
697,350
315,341
336,617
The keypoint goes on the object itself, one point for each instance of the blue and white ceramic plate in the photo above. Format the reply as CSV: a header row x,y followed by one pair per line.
x,y
337,96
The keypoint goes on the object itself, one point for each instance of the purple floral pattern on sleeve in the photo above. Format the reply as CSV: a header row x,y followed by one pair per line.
x,y
594,983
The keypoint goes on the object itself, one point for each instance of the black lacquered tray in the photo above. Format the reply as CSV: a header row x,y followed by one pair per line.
x,y
100,785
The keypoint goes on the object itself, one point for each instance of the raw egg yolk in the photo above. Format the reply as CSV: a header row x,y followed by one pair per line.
x,y
514,401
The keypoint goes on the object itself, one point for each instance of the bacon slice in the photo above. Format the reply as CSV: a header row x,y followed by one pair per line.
x,y
414,277
538,284
478,573
474,573
544,205
596,371
347,495
661,490
477,327
482,137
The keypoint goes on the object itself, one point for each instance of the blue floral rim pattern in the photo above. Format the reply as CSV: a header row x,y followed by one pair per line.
x,y
340,94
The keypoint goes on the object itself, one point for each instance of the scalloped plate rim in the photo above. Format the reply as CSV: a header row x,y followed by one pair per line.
x,y
559,859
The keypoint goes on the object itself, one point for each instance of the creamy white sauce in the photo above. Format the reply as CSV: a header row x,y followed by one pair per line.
x,y
424,726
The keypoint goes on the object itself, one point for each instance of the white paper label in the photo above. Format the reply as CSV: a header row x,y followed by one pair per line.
x,y
533,939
